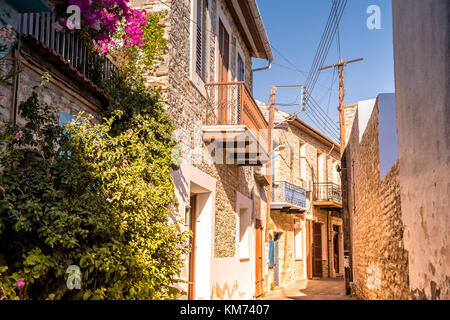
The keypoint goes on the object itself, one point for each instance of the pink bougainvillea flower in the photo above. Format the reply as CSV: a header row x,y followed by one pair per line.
x,y
20,283
101,20
19,135
130,133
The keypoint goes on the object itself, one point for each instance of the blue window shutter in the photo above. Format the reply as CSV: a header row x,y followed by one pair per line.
x,y
65,118
271,253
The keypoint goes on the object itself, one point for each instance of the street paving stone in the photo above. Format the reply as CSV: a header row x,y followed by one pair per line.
x,y
323,289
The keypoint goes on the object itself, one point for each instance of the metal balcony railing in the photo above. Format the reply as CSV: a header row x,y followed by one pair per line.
x,y
69,45
285,192
231,103
327,191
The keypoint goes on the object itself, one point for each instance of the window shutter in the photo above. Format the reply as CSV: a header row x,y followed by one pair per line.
x,y
271,254
198,60
205,8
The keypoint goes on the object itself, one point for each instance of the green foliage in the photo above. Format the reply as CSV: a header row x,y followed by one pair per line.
x,y
134,61
99,196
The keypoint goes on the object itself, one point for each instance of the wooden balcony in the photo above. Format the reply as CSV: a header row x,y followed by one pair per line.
x,y
235,124
63,48
327,195
288,198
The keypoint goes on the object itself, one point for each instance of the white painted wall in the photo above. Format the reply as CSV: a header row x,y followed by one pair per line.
x,y
234,278
189,180
365,109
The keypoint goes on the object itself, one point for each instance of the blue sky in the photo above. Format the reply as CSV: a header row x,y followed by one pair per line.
x,y
295,27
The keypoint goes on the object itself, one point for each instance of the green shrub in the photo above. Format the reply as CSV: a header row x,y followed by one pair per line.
x,y
99,196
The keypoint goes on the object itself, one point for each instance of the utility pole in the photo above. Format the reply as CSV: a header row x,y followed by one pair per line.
x,y
273,91
341,66
346,212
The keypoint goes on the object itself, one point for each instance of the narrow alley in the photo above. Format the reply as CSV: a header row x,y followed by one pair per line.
x,y
323,289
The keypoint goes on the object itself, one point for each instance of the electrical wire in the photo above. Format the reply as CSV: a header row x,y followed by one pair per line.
x,y
322,42
338,10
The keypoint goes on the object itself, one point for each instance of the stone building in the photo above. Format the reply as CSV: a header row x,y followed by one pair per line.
x,y
206,77
305,230
371,177
40,50
396,166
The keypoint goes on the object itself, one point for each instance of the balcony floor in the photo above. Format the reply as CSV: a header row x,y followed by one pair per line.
x,y
239,143
327,204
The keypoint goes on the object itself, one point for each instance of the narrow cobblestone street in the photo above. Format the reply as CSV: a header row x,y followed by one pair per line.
x,y
324,289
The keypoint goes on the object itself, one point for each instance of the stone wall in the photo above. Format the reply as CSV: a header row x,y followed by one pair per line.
x,y
379,260
60,91
287,168
188,107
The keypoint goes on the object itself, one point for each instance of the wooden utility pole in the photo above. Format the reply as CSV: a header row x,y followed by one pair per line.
x,y
269,164
341,66
346,214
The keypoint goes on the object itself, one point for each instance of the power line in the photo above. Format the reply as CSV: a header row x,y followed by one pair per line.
x,y
313,103
321,43
337,12
315,112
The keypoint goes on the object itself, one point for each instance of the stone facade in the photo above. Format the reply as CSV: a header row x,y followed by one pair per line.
x,y
287,168
379,260
60,91
186,103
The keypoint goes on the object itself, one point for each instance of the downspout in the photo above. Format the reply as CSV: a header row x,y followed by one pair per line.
x,y
16,80
268,67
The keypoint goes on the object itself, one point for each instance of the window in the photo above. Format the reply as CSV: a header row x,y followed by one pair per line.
x,y
320,167
298,244
335,172
244,247
302,161
240,69
201,38
65,118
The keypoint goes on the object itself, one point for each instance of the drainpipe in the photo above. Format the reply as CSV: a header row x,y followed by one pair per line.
x,y
16,80
268,67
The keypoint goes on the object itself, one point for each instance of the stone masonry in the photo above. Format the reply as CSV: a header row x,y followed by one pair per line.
x,y
380,262
287,168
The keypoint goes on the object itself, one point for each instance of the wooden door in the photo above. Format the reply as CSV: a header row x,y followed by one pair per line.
x,y
224,62
336,249
259,261
193,224
308,249
317,250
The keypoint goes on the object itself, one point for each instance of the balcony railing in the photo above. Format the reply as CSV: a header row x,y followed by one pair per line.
x,y
67,44
328,192
285,193
231,103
